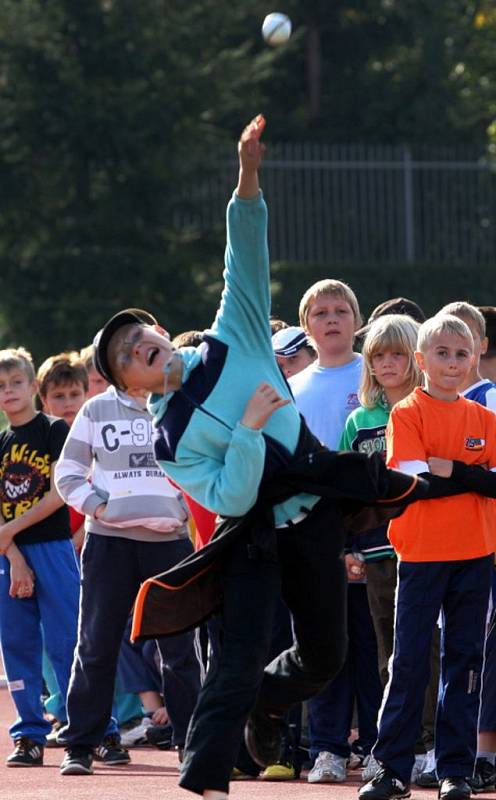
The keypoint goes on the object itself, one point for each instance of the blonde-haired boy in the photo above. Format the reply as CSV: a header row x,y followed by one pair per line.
x,y
476,387
327,390
96,382
39,578
443,567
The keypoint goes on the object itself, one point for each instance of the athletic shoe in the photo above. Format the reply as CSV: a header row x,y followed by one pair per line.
x,y
239,775
328,768
427,776
265,735
279,772
135,736
160,736
26,753
484,777
77,761
455,788
418,766
51,739
111,752
370,768
357,756
385,785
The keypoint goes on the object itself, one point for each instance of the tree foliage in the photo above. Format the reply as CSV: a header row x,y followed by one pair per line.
x,y
111,109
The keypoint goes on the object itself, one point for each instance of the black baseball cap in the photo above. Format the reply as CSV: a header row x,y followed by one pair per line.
x,y
397,305
129,316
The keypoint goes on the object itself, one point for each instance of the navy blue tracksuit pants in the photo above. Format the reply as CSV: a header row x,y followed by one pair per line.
x,y
310,575
461,590
112,570
330,712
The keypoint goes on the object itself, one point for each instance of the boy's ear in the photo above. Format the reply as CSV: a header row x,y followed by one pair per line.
x,y
484,345
35,388
419,358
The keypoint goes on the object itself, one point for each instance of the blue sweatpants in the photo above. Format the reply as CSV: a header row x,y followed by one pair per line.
x,y
461,590
330,712
54,605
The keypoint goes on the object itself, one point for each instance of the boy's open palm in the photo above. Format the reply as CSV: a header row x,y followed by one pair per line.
x,y
261,405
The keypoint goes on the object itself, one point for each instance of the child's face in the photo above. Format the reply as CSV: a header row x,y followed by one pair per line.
x,y
390,367
446,364
64,400
96,383
291,365
16,391
487,368
480,345
331,324
139,356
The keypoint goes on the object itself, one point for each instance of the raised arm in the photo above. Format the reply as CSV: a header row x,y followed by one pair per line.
x,y
242,320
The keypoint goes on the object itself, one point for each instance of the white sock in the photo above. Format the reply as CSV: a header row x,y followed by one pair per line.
x,y
214,794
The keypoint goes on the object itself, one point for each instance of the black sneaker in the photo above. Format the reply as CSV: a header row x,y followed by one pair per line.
x,y
484,777
111,752
427,779
160,736
26,753
77,761
385,785
51,739
454,789
264,737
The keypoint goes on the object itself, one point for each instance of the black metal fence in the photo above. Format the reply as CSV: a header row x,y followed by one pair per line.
x,y
357,204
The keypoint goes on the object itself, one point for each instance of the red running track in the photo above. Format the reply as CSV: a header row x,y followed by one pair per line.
x,y
152,775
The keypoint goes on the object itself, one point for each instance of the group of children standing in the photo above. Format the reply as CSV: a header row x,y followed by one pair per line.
x,y
416,396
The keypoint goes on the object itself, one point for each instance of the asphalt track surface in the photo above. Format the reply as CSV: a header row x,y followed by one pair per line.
x,y
152,775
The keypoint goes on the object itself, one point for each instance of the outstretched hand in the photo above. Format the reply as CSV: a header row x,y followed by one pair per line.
x,y
261,405
250,152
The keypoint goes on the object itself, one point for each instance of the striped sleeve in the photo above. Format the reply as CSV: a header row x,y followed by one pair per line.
x,y
73,469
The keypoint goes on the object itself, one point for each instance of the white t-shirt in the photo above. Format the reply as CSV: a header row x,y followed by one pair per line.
x,y
326,396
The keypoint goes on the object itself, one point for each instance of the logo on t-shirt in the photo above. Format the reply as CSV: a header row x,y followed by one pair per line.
x,y
474,443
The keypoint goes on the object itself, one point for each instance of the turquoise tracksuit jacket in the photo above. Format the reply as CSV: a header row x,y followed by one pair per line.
x,y
199,440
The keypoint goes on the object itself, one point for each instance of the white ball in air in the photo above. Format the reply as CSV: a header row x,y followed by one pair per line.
x,y
276,29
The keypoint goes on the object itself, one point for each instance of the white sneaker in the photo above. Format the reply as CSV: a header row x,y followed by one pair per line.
x,y
137,735
370,767
328,768
427,775
418,767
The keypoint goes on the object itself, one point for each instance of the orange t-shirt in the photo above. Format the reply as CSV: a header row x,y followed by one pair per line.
x,y
449,528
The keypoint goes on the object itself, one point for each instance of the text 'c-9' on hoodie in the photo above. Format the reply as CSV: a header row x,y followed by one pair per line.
x,y
108,458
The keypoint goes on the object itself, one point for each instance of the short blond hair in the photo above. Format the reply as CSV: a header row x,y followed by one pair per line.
x,y
334,288
389,332
86,356
443,323
17,358
466,311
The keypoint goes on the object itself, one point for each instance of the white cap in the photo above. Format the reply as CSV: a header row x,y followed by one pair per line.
x,y
288,341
